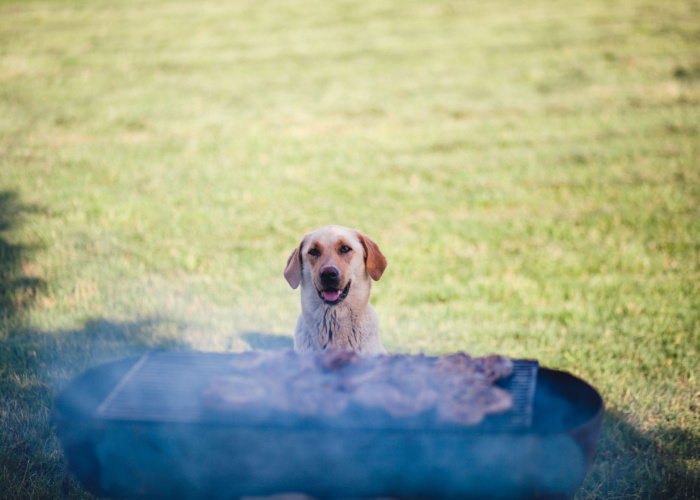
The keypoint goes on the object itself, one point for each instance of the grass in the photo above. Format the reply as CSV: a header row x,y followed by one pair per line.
x,y
531,172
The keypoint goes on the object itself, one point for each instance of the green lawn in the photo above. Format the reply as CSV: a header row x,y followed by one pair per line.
x,y
531,171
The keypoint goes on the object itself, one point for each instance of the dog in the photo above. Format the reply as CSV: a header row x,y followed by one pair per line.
x,y
335,266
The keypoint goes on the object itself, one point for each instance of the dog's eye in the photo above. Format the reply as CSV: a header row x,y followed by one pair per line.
x,y
314,252
345,249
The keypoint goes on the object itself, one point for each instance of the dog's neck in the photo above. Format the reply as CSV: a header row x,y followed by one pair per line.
x,y
343,326
336,327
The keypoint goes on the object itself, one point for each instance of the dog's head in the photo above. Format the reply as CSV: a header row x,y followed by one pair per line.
x,y
337,262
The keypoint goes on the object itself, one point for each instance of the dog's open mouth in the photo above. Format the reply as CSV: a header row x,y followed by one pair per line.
x,y
333,297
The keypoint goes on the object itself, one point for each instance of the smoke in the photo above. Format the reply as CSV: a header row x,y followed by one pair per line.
x,y
179,461
202,456
203,314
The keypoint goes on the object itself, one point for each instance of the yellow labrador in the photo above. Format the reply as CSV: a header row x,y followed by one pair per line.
x,y
335,266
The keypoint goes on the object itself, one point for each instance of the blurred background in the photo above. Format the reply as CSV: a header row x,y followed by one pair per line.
x,y
530,170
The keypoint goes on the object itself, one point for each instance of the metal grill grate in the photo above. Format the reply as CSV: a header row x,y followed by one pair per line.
x,y
166,387
521,385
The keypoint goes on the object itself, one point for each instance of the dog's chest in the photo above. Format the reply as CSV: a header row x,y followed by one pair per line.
x,y
337,329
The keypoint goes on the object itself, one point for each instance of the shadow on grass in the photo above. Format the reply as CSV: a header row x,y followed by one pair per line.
x,y
633,464
18,290
267,341
34,366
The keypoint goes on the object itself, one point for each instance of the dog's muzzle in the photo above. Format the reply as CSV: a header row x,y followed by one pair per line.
x,y
332,296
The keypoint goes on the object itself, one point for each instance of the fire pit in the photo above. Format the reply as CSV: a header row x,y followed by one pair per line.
x,y
138,429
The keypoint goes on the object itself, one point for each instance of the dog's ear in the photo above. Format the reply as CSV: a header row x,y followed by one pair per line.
x,y
292,273
374,258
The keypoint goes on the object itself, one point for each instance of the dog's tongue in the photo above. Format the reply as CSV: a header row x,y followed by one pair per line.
x,y
331,296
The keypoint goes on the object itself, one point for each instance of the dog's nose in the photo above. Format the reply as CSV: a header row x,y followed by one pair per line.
x,y
329,273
